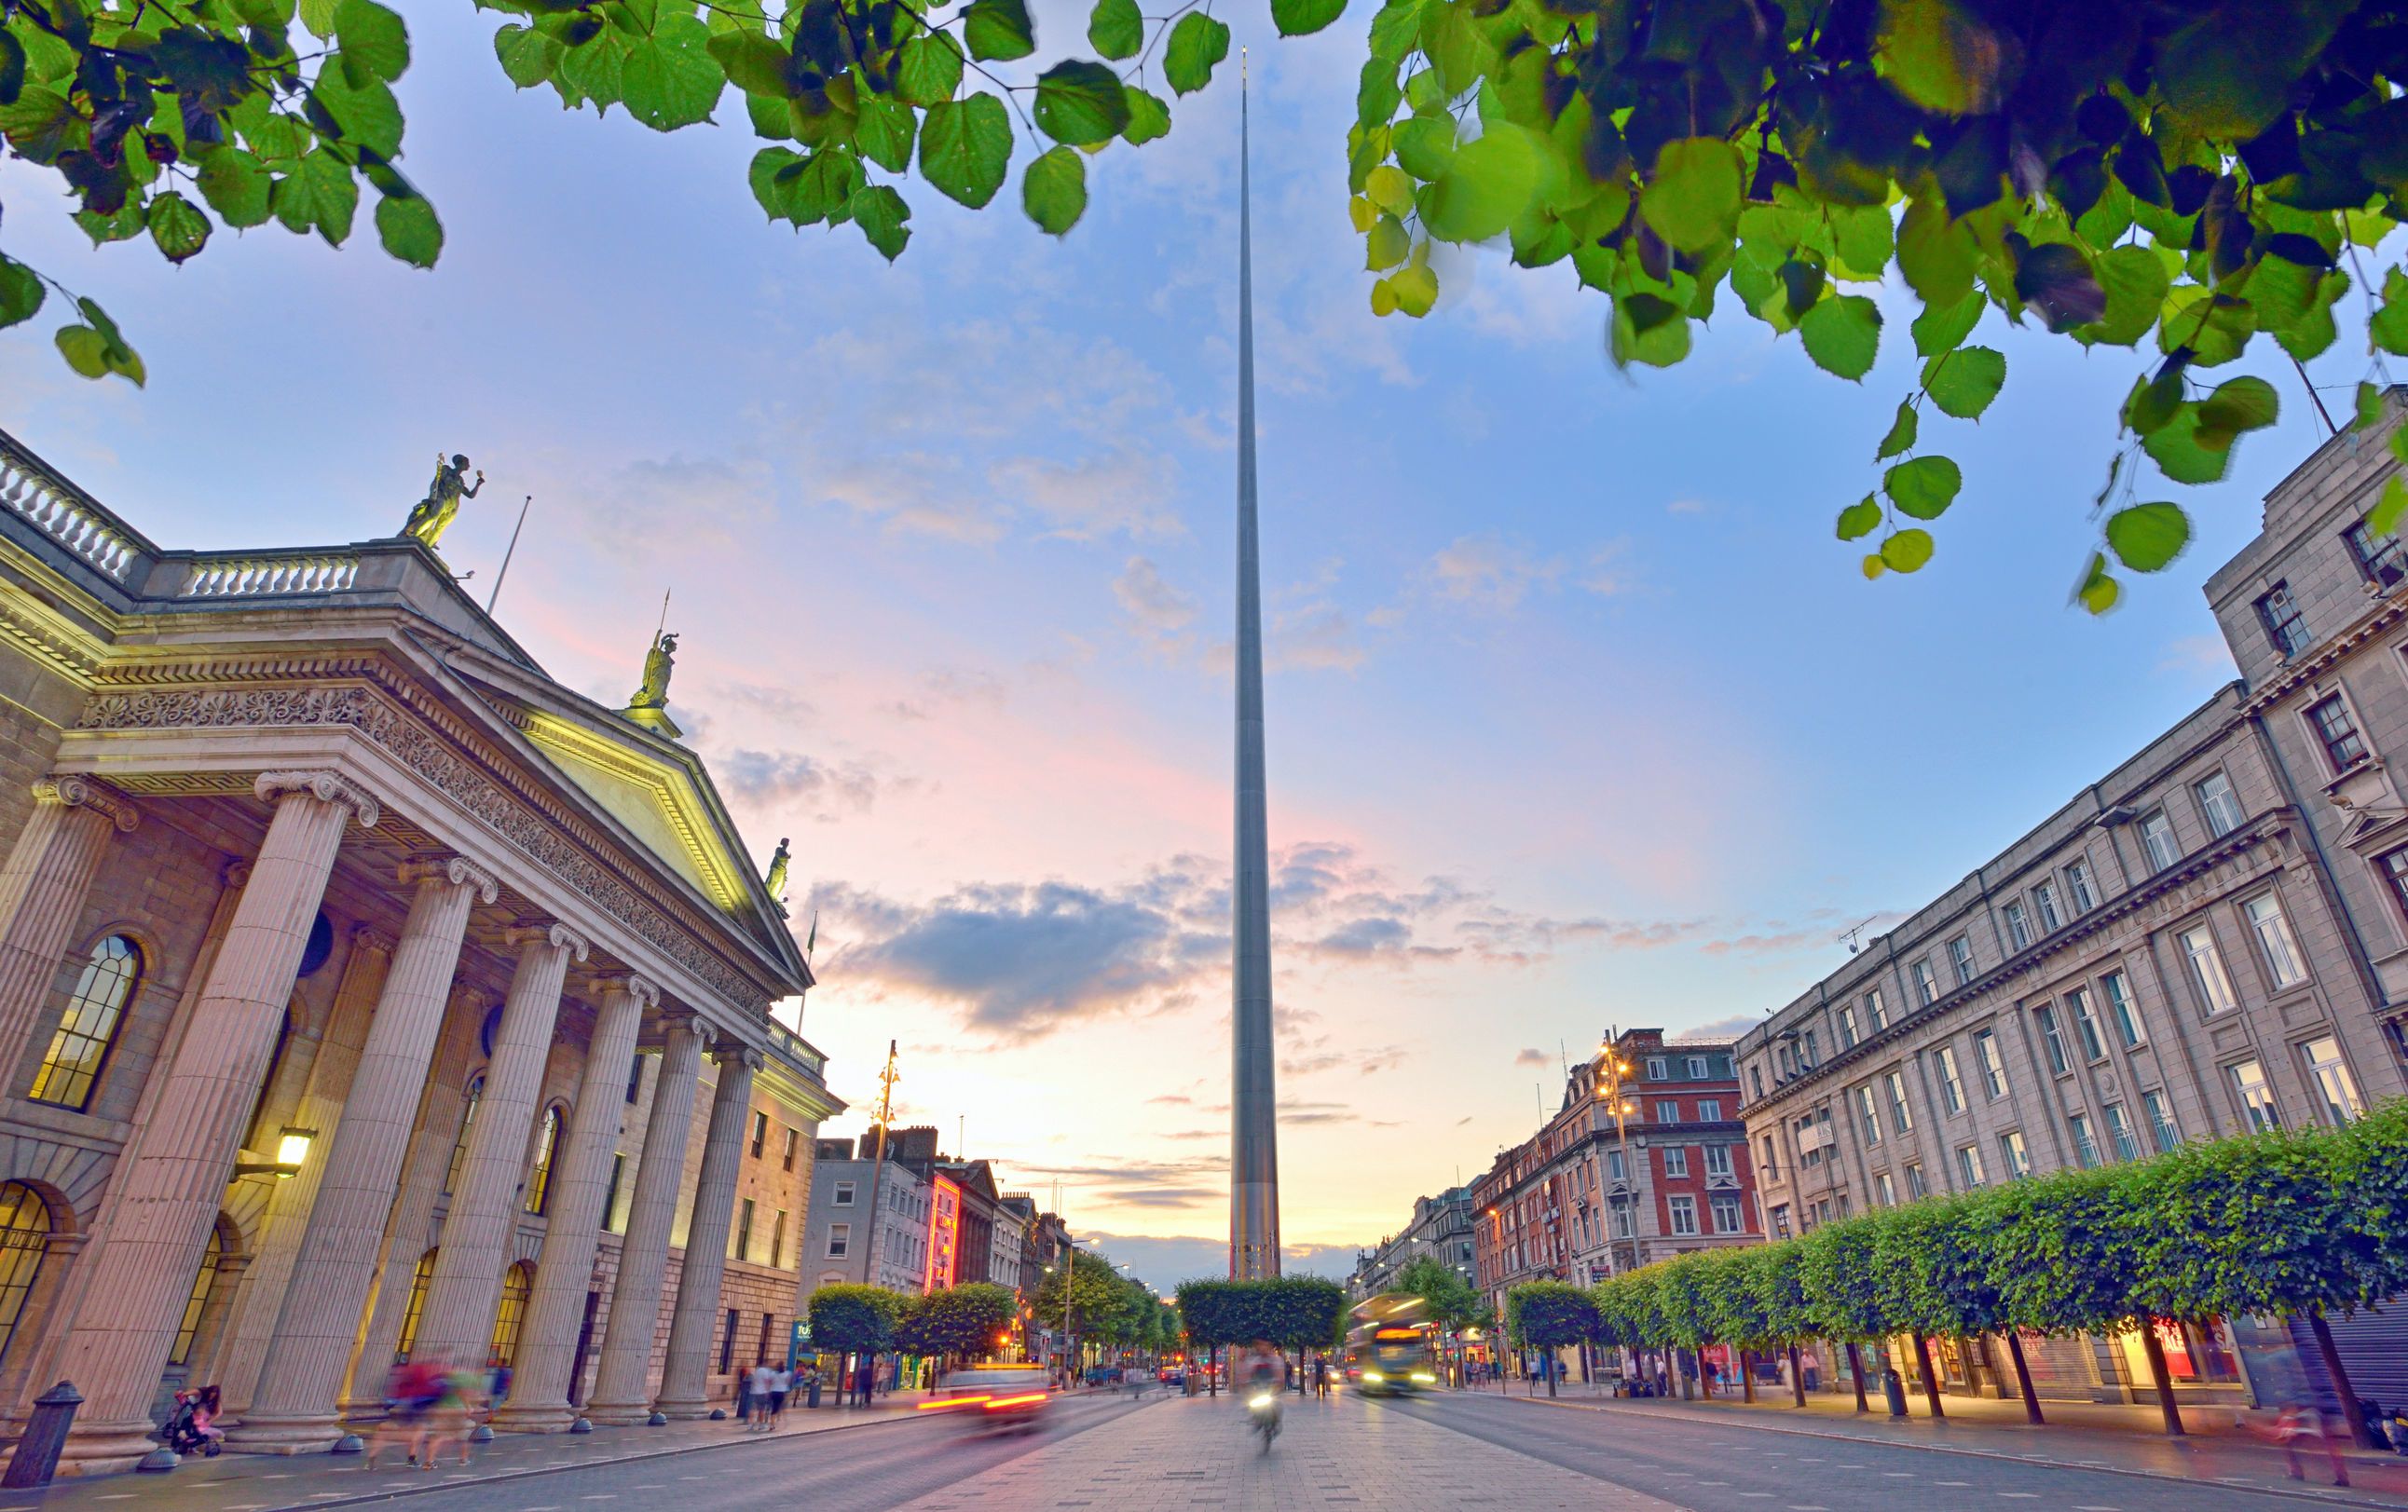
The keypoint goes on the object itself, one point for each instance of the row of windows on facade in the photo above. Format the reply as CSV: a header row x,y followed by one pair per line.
x,y
904,1248
2380,560
1725,1211
1693,1068
2038,913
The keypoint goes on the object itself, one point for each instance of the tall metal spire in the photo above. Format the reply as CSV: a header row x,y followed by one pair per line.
x,y
1253,1099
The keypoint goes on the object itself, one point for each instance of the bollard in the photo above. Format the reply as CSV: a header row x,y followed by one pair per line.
x,y
1894,1389
814,1393
46,1433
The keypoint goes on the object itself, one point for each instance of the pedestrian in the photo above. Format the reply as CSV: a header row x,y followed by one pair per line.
x,y
1321,1376
743,1384
757,1387
863,1377
2298,1422
782,1386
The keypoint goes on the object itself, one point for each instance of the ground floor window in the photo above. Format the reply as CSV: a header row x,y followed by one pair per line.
x,y
25,1239
194,1305
417,1305
518,1284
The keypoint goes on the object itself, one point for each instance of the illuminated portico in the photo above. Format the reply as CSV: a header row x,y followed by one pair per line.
x,y
303,849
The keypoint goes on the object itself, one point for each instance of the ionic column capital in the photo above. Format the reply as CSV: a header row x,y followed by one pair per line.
x,y
236,874
686,1023
369,937
458,870
326,787
73,789
733,1053
639,988
551,933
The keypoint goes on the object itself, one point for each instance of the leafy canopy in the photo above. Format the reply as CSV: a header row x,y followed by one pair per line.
x,y
2183,182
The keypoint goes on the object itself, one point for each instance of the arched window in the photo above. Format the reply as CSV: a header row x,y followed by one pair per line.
x,y
518,1284
467,1121
24,1238
88,1027
418,1279
198,1301
546,1140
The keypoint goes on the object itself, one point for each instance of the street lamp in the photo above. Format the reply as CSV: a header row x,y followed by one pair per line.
x,y
291,1153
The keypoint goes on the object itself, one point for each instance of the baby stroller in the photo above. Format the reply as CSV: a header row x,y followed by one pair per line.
x,y
182,1434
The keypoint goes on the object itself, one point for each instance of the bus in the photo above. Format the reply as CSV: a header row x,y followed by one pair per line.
x,y
1391,1347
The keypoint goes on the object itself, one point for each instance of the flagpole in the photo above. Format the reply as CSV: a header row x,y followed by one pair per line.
x,y
494,597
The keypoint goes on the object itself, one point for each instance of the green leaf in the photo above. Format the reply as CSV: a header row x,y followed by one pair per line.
x,y
997,31
1694,198
1901,439
1647,328
2176,448
367,116
1939,54
1149,118
1299,18
1860,519
2370,405
2136,283
1922,486
1080,103
2237,405
20,292
178,227
1390,190
2213,327
2383,517
1941,327
1116,28
373,39
1490,183
965,148
772,175
884,131
12,67
407,225
754,62
2388,329
1387,244
1861,235
1843,334
1907,551
670,80
2098,592
880,212
1415,289
319,193
930,71
1425,146
234,185
1197,44
1963,382
1874,566
1935,254
2147,538
1054,191
1396,29
527,56
85,350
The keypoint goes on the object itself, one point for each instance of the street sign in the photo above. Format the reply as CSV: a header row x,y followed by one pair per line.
x,y
798,1341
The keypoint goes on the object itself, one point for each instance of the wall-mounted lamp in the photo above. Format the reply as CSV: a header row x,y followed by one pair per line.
x,y
292,1149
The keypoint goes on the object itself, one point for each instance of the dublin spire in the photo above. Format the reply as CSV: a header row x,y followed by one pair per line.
x,y
1254,1133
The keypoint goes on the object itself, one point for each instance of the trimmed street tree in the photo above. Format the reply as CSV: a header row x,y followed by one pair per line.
x,y
1550,1316
973,1319
851,1319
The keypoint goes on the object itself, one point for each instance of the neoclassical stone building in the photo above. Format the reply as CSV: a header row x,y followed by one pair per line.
x,y
364,993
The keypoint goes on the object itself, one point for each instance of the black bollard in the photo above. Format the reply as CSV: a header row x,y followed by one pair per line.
x,y
46,1433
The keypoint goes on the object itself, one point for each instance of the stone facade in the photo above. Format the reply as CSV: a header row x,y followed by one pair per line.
x,y
331,932
2206,940
1440,1229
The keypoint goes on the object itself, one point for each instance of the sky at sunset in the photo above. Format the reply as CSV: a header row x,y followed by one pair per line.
x,y
1577,715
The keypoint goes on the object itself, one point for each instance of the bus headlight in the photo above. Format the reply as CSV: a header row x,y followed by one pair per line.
x,y
1425,1377
1373,1376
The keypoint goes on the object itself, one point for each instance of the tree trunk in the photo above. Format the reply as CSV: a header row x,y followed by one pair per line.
x,y
1856,1374
2160,1376
2023,1376
2359,1429
1930,1377
1796,1378
1747,1374
1212,1369
1553,1363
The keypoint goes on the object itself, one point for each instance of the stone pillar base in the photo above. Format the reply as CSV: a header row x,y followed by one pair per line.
x,y
683,1411
511,1418
301,1434
619,1414
100,1448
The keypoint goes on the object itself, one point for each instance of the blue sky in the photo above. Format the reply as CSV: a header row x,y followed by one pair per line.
x,y
1579,715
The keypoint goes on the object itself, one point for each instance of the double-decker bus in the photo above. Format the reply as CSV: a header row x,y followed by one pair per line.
x,y
1391,1347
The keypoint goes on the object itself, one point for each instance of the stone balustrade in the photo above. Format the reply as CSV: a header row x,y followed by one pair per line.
x,y
253,576
74,524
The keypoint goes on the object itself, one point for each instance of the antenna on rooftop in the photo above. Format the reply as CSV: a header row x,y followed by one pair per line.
x,y
1852,936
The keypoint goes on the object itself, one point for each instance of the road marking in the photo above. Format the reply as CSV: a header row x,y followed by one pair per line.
x,y
2021,1496
1952,1483
1898,1475
2098,1509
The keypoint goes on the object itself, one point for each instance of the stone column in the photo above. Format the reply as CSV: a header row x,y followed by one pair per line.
x,y
179,1161
456,1326
42,891
684,1378
580,1182
407,1227
237,1362
295,1406
621,1381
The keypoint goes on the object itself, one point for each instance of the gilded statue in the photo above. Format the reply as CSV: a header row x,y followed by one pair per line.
x,y
432,515
658,663
776,881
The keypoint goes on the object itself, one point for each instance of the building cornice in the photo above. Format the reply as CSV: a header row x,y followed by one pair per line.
x,y
2329,654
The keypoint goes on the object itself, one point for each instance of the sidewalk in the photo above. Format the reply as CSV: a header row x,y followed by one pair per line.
x,y
2099,1435
235,1482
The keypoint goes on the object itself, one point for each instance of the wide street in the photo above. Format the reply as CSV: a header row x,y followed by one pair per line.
x,y
1454,1449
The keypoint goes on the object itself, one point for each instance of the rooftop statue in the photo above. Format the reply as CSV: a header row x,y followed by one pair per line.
x,y
432,515
775,883
658,663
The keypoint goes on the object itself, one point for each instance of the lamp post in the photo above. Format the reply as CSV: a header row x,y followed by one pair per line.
x,y
291,1153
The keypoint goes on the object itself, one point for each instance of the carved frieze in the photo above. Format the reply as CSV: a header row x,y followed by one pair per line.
x,y
438,761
